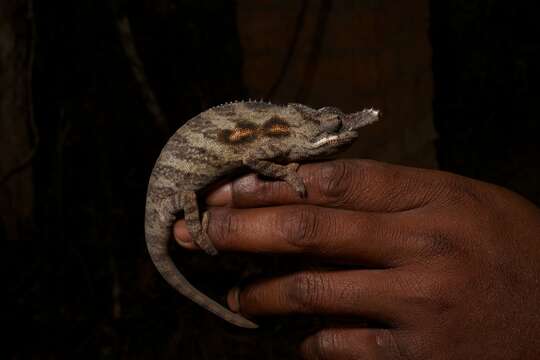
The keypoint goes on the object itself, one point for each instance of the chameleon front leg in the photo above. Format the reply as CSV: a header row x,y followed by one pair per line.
x,y
287,173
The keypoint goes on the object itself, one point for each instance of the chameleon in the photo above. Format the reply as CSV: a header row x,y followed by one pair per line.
x,y
265,138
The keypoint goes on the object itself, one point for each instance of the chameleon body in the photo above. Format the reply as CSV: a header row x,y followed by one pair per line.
x,y
265,138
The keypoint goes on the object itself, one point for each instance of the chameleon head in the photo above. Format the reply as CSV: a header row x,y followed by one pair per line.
x,y
328,130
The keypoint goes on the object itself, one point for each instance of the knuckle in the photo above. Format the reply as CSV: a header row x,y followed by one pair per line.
x,y
436,299
251,297
224,225
334,180
458,191
435,244
265,191
304,291
300,226
428,296
478,213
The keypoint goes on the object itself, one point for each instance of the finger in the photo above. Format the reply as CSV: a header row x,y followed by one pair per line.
x,y
368,294
353,344
351,184
368,238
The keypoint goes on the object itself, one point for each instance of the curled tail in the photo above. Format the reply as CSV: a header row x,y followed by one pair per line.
x,y
157,238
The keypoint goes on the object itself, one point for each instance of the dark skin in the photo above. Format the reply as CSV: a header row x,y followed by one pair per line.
x,y
451,265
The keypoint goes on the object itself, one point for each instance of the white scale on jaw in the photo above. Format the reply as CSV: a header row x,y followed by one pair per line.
x,y
324,141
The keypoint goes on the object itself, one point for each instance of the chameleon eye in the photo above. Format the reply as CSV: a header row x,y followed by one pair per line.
x,y
331,125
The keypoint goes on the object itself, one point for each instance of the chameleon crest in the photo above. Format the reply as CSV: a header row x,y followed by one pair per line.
x,y
265,138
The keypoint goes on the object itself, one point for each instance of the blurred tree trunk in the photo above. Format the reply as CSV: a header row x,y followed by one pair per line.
x,y
16,132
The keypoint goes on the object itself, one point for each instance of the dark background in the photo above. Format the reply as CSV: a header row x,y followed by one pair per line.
x,y
80,283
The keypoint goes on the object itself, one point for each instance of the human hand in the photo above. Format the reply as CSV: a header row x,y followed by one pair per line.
x,y
450,265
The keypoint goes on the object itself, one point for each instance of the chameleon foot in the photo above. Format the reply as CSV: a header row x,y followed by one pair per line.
x,y
202,240
293,179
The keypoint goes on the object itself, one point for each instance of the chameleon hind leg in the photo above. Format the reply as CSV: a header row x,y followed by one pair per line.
x,y
196,227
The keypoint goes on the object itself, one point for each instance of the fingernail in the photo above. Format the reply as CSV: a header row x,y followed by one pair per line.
x,y
182,237
233,299
220,196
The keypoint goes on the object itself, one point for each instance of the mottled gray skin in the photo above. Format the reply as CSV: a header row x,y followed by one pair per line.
x,y
265,138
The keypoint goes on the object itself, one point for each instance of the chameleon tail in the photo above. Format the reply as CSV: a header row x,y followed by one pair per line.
x,y
157,247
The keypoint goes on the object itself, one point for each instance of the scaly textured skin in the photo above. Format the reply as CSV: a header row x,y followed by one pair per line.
x,y
266,138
